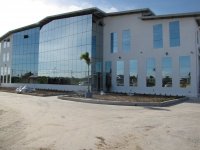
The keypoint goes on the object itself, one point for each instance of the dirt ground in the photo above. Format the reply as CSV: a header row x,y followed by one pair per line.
x,y
47,123
97,95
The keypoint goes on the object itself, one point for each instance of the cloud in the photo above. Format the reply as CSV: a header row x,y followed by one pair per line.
x,y
111,9
15,14
18,13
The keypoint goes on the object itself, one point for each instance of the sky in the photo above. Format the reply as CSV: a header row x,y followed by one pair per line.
x,y
18,13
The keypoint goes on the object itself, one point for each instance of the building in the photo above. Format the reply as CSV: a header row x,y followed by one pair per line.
x,y
132,52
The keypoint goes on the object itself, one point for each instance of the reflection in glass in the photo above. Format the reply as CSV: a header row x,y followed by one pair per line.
x,y
108,70
174,33
185,71
62,41
25,55
166,72
120,73
126,40
133,76
151,72
157,36
114,42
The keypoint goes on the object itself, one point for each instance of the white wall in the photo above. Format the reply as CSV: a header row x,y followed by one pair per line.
x,y
142,48
49,86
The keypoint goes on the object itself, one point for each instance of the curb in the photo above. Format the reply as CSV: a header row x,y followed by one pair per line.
x,y
124,103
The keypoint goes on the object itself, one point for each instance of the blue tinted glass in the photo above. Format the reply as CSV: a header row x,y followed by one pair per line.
x,y
120,73
126,40
133,72
151,72
174,33
167,72
114,42
25,50
157,36
185,71
108,67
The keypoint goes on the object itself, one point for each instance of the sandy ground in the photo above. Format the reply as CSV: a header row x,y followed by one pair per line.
x,y
47,123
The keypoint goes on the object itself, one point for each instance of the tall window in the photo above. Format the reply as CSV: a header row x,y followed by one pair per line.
x,y
133,74
98,67
7,57
166,72
108,66
114,42
151,72
0,48
157,36
108,70
120,73
126,40
185,71
4,57
174,33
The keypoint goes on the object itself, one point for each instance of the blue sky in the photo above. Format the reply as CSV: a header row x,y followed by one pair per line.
x,y
158,6
25,12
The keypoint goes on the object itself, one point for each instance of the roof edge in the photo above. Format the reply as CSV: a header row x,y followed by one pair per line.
x,y
168,16
151,13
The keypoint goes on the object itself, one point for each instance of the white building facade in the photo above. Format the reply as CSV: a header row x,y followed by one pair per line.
x,y
161,49
132,52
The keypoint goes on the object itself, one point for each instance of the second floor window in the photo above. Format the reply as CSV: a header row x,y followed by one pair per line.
x,y
126,40
174,34
157,36
114,42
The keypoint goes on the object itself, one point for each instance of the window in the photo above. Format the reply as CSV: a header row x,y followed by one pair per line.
x,y
126,40
98,66
184,71
108,70
151,72
157,36
7,57
120,73
0,48
114,42
174,33
8,43
166,72
133,74
4,57
108,67
26,36
4,44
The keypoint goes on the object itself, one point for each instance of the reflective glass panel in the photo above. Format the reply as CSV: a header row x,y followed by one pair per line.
x,y
133,74
126,40
120,73
157,36
174,33
166,72
185,71
151,72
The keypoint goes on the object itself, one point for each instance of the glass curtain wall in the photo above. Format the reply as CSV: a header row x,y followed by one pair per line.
x,y
97,53
62,42
25,55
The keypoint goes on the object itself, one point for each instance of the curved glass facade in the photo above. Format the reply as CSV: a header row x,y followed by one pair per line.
x,y
62,42
25,55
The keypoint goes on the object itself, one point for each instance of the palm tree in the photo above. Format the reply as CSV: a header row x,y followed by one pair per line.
x,y
85,56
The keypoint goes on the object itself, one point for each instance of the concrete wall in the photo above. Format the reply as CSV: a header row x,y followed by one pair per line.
x,y
142,48
49,86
